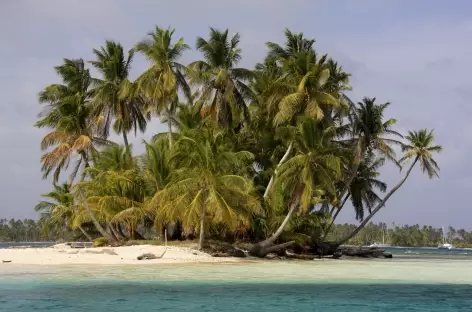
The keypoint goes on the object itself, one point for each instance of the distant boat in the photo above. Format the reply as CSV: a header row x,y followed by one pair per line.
x,y
383,245
445,245
378,245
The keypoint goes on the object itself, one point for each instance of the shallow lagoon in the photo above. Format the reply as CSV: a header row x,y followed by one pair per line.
x,y
320,285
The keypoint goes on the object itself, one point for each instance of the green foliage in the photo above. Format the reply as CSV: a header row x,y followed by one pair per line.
x,y
99,242
111,101
287,121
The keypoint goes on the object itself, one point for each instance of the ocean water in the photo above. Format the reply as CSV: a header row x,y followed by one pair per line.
x,y
325,285
21,244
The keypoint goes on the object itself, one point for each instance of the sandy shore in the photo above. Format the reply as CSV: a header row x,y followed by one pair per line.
x,y
62,254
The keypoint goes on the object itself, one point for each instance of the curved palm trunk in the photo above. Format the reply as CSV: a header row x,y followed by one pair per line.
x,y
336,214
95,222
169,127
282,160
359,155
119,229
114,232
85,233
261,249
380,205
125,140
202,222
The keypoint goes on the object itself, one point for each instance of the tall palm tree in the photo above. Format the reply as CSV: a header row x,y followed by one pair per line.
x,y
419,149
306,95
224,91
127,112
68,113
60,208
367,133
308,176
206,184
161,82
294,43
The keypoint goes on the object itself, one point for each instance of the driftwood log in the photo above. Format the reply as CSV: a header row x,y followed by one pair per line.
x,y
147,256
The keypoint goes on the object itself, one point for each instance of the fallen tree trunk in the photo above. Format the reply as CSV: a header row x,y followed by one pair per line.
x,y
261,249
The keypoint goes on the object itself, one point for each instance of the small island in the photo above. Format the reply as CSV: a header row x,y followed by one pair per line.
x,y
263,160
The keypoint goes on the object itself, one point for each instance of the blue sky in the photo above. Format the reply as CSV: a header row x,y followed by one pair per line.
x,y
415,54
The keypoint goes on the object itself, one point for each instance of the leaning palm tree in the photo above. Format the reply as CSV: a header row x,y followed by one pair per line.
x,y
419,149
367,133
309,177
224,91
115,192
127,112
206,184
60,208
161,82
68,114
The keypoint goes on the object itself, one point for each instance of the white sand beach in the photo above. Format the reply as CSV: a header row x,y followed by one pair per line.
x,y
62,254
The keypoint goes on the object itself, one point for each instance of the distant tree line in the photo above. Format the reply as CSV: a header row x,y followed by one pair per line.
x,y
404,235
29,230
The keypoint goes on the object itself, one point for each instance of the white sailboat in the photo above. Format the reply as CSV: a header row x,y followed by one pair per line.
x,y
383,245
445,245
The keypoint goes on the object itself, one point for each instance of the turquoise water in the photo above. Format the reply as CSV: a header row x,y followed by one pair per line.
x,y
428,251
19,244
233,296
374,285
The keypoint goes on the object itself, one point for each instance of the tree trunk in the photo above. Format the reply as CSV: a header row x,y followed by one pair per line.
x,y
169,127
272,178
261,249
113,232
336,214
85,233
125,139
202,222
95,222
119,229
380,205
116,232
359,155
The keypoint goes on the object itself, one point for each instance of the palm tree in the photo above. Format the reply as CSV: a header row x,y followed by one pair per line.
x,y
420,148
68,113
224,91
299,84
206,184
367,133
186,117
362,189
308,176
126,112
306,95
61,210
115,193
294,43
165,78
